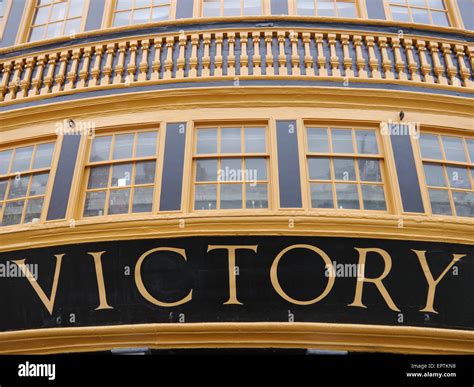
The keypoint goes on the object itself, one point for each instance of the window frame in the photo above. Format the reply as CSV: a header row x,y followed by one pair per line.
x,y
199,9
6,14
361,9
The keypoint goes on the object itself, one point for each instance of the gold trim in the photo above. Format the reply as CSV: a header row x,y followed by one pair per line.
x,y
350,337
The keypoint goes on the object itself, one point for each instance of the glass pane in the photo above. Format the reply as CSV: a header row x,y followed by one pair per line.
x,y
347,196
141,16
94,204
100,149
231,196
458,177
121,175
207,141
373,197
321,196
344,169
440,204
318,140
256,169
418,3
440,18
231,170
22,159
12,213
123,4
123,147
252,7
206,170
342,141
146,144
98,177
5,158
43,155
453,148
211,8
319,168
142,199
3,188
256,196
420,16
205,197
33,210
436,4
41,16
38,184
231,8
145,173
119,201
37,33
366,142
122,19
75,8
369,170
470,150
429,146
325,8
231,140
72,27
58,12
143,3
464,203
160,13
18,187
55,29
255,140
434,175
400,13
345,9
305,7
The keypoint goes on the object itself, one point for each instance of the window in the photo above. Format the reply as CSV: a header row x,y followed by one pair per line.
x,y
54,18
231,168
215,8
345,169
4,10
121,174
24,177
420,11
448,164
129,12
338,8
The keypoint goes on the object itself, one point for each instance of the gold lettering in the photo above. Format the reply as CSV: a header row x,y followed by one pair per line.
x,y
276,282
377,281
100,280
432,283
141,286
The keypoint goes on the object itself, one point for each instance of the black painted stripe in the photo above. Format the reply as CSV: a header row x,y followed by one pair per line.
x,y
288,165
173,164
279,7
63,179
13,21
95,15
375,9
184,9
407,175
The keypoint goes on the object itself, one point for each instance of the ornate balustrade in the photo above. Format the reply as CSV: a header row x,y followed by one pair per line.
x,y
263,53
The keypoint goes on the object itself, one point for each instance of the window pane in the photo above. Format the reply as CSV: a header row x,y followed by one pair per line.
x,y
231,140
37,33
58,12
119,201
440,204
366,142
321,196
38,184
369,170
429,146
231,8
123,4
207,141
458,177
75,8
143,199
94,204
434,175
12,213
141,16
440,18
3,188
160,13
326,8
319,168
211,8
231,170
255,140
454,149
231,196
346,9
22,159
72,27
305,7
143,3
436,4
252,7
421,3
100,148
470,150
206,170
55,29
18,187
145,172
420,16
146,144
122,19
33,209
5,158
205,197
318,140
256,169
123,147
399,13
43,156
121,175
373,197
98,177
347,196
464,203
41,16
342,141
344,169
256,196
